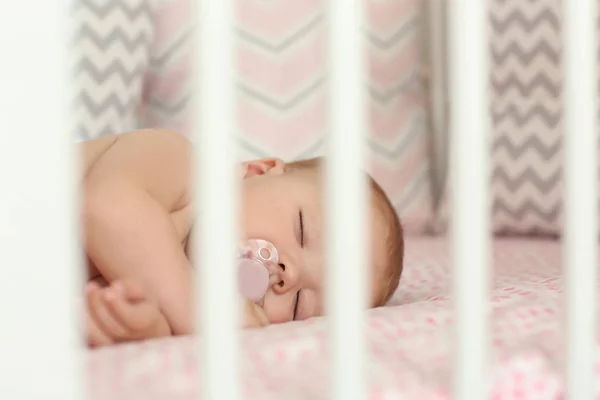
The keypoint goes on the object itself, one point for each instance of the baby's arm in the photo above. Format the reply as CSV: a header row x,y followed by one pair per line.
x,y
129,196
122,312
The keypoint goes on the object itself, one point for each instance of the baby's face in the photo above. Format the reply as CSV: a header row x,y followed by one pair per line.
x,y
286,208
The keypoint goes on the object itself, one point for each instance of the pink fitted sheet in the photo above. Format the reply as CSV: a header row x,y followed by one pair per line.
x,y
410,343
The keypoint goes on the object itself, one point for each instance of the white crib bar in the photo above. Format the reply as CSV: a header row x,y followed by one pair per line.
x,y
470,207
580,195
217,198
346,222
40,338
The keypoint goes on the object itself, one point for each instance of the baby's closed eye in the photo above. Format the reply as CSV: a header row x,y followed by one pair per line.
x,y
300,229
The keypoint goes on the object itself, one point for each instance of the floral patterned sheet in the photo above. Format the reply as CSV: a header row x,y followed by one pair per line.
x,y
410,341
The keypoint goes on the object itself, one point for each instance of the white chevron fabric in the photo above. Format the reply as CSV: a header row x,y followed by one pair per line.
x,y
526,105
281,99
168,85
526,110
110,55
281,78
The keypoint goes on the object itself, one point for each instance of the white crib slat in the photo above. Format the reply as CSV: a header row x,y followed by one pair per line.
x,y
40,339
470,208
346,202
580,196
217,198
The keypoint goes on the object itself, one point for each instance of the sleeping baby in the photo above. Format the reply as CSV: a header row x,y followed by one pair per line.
x,y
137,225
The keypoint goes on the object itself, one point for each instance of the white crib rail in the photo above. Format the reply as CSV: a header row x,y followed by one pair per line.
x,y
39,251
39,340
470,209
217,193
581,196
346,197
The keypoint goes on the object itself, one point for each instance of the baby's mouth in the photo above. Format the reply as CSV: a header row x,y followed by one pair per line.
x,y
274,279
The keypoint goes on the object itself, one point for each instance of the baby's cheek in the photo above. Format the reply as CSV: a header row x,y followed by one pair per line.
x,y
265,217
276,312
257,223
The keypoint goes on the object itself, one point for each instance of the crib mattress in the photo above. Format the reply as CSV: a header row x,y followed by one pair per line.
x,y
410,341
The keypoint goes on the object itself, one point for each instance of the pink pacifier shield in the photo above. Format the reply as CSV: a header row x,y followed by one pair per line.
x,y
257,258
253,279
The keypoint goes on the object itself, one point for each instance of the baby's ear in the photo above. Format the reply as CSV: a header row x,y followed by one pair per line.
x,y
265,166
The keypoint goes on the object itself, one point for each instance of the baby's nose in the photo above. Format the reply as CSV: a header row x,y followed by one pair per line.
x,y
283,279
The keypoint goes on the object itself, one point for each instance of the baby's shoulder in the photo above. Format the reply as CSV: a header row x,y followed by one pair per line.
x,y
91,151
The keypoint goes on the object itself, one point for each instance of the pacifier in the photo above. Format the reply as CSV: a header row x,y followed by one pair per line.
x,y
257,257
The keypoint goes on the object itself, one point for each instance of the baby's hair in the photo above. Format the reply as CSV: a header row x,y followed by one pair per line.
x,y
395,234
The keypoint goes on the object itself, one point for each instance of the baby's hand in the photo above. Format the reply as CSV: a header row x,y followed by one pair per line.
x,y
254,315
120,313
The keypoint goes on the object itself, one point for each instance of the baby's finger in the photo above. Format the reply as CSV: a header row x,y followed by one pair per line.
x,y
95,336
91,286
136,318
103,316
131,291
255,316
261,316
